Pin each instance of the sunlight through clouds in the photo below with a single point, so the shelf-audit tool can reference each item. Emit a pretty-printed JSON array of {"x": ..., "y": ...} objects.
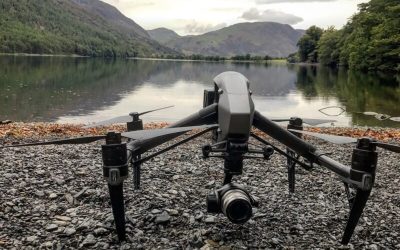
[{"x": 195, "y": 17}]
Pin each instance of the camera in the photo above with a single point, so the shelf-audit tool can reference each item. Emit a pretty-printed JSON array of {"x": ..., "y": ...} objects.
[{"x": 233, "y": 201}]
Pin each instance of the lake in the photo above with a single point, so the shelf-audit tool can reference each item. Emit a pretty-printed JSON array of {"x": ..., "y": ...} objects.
[{"x": 83, "y": 90}]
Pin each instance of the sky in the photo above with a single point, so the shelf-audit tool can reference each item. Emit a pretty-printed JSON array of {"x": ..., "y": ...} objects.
[{"x": 200, "y": 16}]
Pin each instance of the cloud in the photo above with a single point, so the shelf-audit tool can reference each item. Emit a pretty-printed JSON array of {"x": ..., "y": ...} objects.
[
  {"x": 198, "y": 28},
  {"x": 270, "y": 16},
  {"x": 291, "y": 1}
]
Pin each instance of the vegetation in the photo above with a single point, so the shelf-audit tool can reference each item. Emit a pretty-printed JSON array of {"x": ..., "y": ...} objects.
[
  {"x": 369, "y": 41},
  {"x": 198, "y": 57},
  {"x": 66, "y": 27}
]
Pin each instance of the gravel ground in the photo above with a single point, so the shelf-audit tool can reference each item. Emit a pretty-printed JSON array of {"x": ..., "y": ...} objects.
[{"x": 54, "y": 197}]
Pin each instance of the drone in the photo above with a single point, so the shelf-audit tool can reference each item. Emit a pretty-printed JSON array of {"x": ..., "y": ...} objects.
[{"x": 229, "y": 114}]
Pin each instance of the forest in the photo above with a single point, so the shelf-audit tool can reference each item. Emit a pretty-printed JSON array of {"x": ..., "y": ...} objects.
[{"x": 370, "y": 41}]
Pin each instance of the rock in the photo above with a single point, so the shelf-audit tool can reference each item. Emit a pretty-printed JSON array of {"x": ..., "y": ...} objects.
[
  {"x": 156, "y": 211},
  {"x": 51, "y": 227},
  {"x": 88, "y": 241},
  {"x": 53, "y": 196},
  {"x": 31, "y": 238},
  {"x": 275, "y": 241},
  {"x": 100, "y": 231},
  {"x": 69, "y": 231},
  {"x": 210, "y": 219},
  {"x": 210, "y": 184},
  {"x": 63, "y": 218},
  {"x": 173, "y": 212},
  {"x": 163, "y": 218},
  {"x": 39, "y": 193},
  {"x": 70, "y": 199}
]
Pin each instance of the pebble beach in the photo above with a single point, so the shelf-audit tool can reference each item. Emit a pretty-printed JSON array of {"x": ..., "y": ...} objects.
[{"x": 54, "y": 197}]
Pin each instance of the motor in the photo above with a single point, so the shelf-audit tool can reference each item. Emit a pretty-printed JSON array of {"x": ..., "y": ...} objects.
[{"x": 233, "y": 201}]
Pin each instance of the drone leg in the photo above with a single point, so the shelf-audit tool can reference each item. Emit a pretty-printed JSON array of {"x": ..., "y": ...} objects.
[
  {"x": 115, "y": 171},
  {"x": 117, "y": 204},
  {"x": 291, "y": 165},
  {"x": 356, "y": 210},
  {"x": 136, "y": 173}
]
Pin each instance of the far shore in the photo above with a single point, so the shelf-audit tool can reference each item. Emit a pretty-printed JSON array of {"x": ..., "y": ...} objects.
[
  {"x": 40, "y": 55},
  {"x": 148, "y": 58}
]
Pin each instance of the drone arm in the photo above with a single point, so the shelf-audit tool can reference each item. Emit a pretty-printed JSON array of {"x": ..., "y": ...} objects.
[
  {"x": 207, "y": 115},
  {"x": 301, "y": 147},
  {"x": 288, "y": 139}
]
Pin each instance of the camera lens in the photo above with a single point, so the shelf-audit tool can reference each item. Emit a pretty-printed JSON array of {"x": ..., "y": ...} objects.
[{"x": 236, "y": 206}]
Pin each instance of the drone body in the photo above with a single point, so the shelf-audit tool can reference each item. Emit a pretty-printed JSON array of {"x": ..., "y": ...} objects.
[{"x": 229, "y": 113}]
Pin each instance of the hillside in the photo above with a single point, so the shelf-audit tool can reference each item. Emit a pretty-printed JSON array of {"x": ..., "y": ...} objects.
[
  {"x": 163, "y": 35},
  {"x": 260, "y": 38},
  {"x": 83, "y": 27}
]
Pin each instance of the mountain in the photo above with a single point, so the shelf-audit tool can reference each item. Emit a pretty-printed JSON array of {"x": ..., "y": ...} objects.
[
  {"x": 83, "y": 27},
  {"x": 163, "y": 35},
  {"x": 259, "y": 38}
]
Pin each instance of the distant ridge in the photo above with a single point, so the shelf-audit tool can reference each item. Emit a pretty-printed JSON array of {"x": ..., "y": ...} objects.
[
  {"x": 83, "y": 27},
  {"x": 259, "y": 38},
  {"x": 163, "y": 35}
]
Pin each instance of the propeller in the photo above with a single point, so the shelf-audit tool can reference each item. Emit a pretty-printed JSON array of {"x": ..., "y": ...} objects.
[
  {"x": 381, "y": 117},
  {"x": 123, "y": 119},
  {"x": 309, "y": 121},
  {"x": 345, "y": 139},
  {"x": 134, "y": 135}
]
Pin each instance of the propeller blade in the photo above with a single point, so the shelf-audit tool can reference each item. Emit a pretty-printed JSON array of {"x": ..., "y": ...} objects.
[
  {"x": 122, "y": 119},
  {"x": 369, "y": 113},
  {"x": 387, "y": 146},
  {"x": 119, "y": 119},
  {"x": 77, "y": 140},
  {"x": 309, "y": 121},
  {"x": 395, "y": 119},
  {"x": 314, "y": 122},
  {"x": 148, "y": 139},
  {"x": 330, "y": 138},
  {"x": 153, "y": 133},
  {"x": 149, "y": 111}
]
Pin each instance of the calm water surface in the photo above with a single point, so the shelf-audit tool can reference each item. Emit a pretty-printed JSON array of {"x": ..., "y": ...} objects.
[{"x": 83, "y": 90}]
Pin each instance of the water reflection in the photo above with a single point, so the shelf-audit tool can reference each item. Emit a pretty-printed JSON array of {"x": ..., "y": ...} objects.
[{"x": 83, "y": 89}]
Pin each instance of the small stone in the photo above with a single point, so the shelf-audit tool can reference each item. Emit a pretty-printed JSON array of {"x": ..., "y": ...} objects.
[
  {"x": 39, "y": 193},
  {"x": 53, "y": 196},
  {"x": 59, "y": 181},
  {"x": 210, "y": 184},
  {"x": 63, "y": 218},
  {"x": 31, "y": 238},
  {"x": 61, "y": 223},
  {"x": 173, "y": 212},
  {"x": 69, "y": 198},
  {"x": 162, "y": 218},
  {"x": 275, "y": 241},
  {"x": 69, "y": 231},
  {"x": 199, "y": 216},
  {"x": 210, "y": 219},
  {"x": 51, "y": 227},
  {"x": 100, "y": 231},
  {"x": 88, "y": 241},
  {"x": 156, "y": 211}
]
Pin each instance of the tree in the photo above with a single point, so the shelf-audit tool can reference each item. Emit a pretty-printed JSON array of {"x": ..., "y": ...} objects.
[
  {"x": 308, "y": 44},
  {"x": 328, "y": 47}
]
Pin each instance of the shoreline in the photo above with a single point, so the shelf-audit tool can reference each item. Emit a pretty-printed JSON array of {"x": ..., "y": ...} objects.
[{"x": 22, "y": 130}]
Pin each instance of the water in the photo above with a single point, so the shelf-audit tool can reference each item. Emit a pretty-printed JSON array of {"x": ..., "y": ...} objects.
[{"x": 82, "y": 90}]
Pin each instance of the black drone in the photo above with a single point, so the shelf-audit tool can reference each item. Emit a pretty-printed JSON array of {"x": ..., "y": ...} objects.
[{"x": 229, "y": 114}]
